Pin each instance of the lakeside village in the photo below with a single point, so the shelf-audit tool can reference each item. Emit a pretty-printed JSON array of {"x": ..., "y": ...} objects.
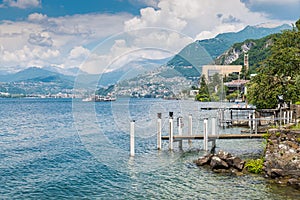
[{"x": 153, "y": 87}]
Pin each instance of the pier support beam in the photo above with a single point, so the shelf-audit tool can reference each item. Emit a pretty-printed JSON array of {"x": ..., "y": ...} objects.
[
  {"x": 205, "y": 134},
  {"x": 132, "y": 138},
  {"x": 171, "y": 131},
  {"x": 180, "y": 125},
  {"x": 284, "y": 117},
  {"x": 214, "y": 132},
  {"x": 250, "y": 122},
  {"x": 159, "y": 131},
  {"x": 190, "y": 129}
]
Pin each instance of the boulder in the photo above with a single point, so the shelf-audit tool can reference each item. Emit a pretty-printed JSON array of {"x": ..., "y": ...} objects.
[
  {"x": 275, "y": 173},
  {"x": 236, "y": 162},
  {"x": 218, "y": 163},
  {"x": 203, "y": 160},
  {"x": 224, "y": 155}
]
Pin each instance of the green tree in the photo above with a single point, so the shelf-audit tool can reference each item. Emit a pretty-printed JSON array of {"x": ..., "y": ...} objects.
[
  {"x": 279, "y": 73},
  {"x": 203, "y": 91}
]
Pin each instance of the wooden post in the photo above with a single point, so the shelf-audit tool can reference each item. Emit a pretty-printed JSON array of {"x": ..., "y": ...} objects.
[
  {"x": 250, "y": 122},
  {"x": 214, "y": 133},
  {"x": 179, "y": 121},
  {"x": 159, "y": 131},
  {"x": 254, "y": 122},
  {"x": 171, "y": 131},
  {"x": 280, "y": 117},
  {"x": 287, "y": 117},
  {"x": 291, "y": 116},
  {"x": 223, "y": 117},
  {"x": 190, "y": 128},
  {"x": 284, "y": 117},
  {"x": 205, "y": 134},
  {"x": 132, "y": 138}
]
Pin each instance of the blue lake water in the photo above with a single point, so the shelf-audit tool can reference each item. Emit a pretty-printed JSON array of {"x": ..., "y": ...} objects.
[{"x": 64, "y": 148}]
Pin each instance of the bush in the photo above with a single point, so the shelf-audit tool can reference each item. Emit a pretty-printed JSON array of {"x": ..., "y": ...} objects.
[{"x": 254, "y": 166}]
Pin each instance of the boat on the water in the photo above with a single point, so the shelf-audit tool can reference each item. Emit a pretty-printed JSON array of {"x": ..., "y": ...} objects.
[{"x": 98, "y": 98}]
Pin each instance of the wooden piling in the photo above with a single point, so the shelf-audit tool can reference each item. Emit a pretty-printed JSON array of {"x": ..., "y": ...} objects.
[
  {"x": 205, "y": 134},
  {"x": 250, "y": 122},
  {"x": 284, "y": 117},
  {"x": 171, "y": 131},
  {"x": 132, "y": 151},
  {"x": 179, "y": 121},
  {"x": 159, "y": 131},
  {"x": 214, "y": 132},
  {"x": 190, "y": 129}
]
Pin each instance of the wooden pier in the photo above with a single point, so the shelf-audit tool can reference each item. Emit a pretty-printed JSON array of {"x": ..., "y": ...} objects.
[
  {"x": 225, "y": 117},
  {"x": 222, "y": 136}
]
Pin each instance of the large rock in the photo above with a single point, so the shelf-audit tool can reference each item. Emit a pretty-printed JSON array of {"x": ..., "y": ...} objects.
[
  {"x": 236, "y": 162},
  {"x": 203, "y": 160},
  {"x": 217, "y": 163}
]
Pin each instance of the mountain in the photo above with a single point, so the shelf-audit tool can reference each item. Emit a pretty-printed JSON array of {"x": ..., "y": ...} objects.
[
  {"x": 34, "y": 74},
  {"x": 68, "y": 71},
  {"x": 214, "y": 47},
  {"x": 128, "y": 71},
  {"x": 257, "y": 50}
]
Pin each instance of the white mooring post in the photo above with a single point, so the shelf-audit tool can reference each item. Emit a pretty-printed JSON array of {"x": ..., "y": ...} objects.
[
  {"x": 254, "y": 122},
  {"x": 214, "y": 131},
  {"x": 171, "y": 131},
  {"x": 190, "y": 128},
  {"x": 250, "y": 122},
  {"x": 159, "y": 131},
  {"x": 132, "y": 138},
  {"x": 179, "y": 124},
  {"x": 205, "y": 134}
]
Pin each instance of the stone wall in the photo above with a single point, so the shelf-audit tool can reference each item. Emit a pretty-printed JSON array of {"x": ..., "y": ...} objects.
[{"x": 282, "y": 157}]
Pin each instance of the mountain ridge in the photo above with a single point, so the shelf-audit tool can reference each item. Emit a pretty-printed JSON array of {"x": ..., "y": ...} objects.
[{"x": 216, "y": 46}]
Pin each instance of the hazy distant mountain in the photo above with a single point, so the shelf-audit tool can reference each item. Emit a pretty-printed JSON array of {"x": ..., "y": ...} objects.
[
  {"x": 34, "y": 74},
  {"x": 128, "y": 71},
  {"x": 68, "y": 71},
  {"x": 189, "y": 55}
]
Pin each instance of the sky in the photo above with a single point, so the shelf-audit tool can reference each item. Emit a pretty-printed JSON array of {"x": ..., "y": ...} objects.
[{"x": 102, "y": 35}]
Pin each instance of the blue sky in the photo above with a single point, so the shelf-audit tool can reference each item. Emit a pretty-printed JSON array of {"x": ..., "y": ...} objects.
[
  {"x": 55, "y": 8},
  {"x": 63, "y": 33}
]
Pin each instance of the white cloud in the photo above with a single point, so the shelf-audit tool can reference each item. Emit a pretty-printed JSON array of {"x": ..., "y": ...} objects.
[
  {"x": 37, "y": 17},
  {"x": 44, "y": 40},
  {"x": 192, "y": 17},
  {"x": 279, "y": 2},
  {"x": 79, "y": 52},
  {"x": 68, "y": 41},
  {"x": 22, "y": 4},
  {"x": 41, "y": 39}
]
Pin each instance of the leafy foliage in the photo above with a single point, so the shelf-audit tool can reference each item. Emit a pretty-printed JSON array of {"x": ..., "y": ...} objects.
[
  {"x": 254, "y": 165},
  {"x": 203, "y": 95},
  {"x": 279, "y": 73}
]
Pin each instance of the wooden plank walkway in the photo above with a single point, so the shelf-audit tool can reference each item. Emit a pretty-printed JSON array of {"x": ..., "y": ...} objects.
[{"x": 222, "y": 136}]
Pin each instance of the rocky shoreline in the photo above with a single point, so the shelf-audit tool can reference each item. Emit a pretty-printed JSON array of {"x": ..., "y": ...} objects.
[
  {"x": 282, "y": 157},
  {"x": 280, "y": 163}
]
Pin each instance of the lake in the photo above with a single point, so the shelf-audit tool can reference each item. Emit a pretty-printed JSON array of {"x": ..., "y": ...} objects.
[{"x": 66, "y": 148}]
